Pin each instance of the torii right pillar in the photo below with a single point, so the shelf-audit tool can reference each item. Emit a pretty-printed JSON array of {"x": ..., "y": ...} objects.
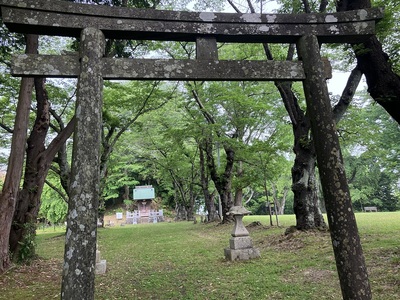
[{"x": 346, "y": 243}]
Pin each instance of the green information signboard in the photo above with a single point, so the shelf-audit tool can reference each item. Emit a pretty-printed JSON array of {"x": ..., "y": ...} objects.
[{"x": 143, "y": 192}]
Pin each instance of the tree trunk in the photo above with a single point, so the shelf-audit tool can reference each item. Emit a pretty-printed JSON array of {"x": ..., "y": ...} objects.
[
  {"x": 283, "y": 202},
  {"x": 212, "y": 208},
  {"x": 308, "y": 214},
  {"x": 208, "y": 197},
  {"x": 346, "y": 242},
  {"x": 280, "y": 204},
  {"x": 383, "y": 83},
  {"x": 36, "y": 168},
  {"x": 192, "y": 193},
  {"x": 225, "y": 193},
  {"x": 126, "y": 194},
  {"x": 182, "y": 206},
  {"x": 38, "y": 162},
  {"x": 225, "y": 185},
  {"x": 9, "y": 193},
  {"x": 190, "y": 207},
  {"x": 64, "y": 167},
  {"x": 303, "y": 171},
  {"x": 180, "y": 210},
  {"x": 222, "y": 182},
  {"x": 238, "y": 201}
]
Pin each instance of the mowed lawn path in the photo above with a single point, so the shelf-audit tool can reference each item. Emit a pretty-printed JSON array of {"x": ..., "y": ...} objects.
[{"x": 186, "y": 261}]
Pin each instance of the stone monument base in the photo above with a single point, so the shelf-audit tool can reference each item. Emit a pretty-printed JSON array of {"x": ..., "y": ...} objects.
[
  {"x": 101, "y": 264},
  {"x": 101, "y": 267},
  {"x": 241, "y": 254},
  {"x": 241, "y": 248}
]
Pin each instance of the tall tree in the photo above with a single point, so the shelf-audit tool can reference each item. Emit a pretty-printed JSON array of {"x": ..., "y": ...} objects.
[
  {"x": 304, "y": 187},
  {"x": 8, "y": 196},
  {"x": 37, "y": 165},
  {"x": 209, "y": 202},
  {"x": 306, "y": 205}
]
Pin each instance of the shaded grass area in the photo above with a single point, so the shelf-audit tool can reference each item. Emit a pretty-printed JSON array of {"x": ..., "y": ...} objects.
[{"x": 185, "y": 261}]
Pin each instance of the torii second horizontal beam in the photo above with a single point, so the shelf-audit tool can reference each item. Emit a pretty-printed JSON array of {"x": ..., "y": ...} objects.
[{"x": 65, "y": 66}]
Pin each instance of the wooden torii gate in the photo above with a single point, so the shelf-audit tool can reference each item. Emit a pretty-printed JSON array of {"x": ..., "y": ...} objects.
[{"x": 93, "y": 24}]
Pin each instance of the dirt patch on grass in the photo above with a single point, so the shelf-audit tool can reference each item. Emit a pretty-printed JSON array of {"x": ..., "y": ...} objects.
[
  {"x": 45, "y": 271},
  {"x": 256, "y": 225},
  {"x": 295, "y": 240},
  {"x": 312, "y": 275},
  {"x": 287, "y": 243},
  {"x": 58, "y": 237},
  {"x": 282, "y": 242},
  {"x": 321, "y": 279},
  {"x": 384, "y": 270},
  {"x": 39, "y": 280}
]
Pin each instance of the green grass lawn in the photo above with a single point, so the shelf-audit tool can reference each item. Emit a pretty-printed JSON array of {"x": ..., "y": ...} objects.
[{"x": 186, "y": 261}]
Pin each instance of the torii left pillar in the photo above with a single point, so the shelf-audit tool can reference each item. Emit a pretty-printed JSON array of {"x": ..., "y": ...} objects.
[{"x": 80, "y": 240}]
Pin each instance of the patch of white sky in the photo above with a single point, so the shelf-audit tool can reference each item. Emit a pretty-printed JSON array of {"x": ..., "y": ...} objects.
[{"x": 269, "y": 6}]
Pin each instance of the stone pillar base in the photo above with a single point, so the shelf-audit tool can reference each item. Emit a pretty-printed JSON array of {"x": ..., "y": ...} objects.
[
  {"x": 241, "y": 248},
  {"x": 101, "y": 264},
  {"x": 242, "y": 242},
  {"x": 101, "y": 267},
  {"x": 241, "y": 254}
]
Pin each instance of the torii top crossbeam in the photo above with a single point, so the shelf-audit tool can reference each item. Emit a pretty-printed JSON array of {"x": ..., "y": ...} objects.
[
  {"x": 45, "y": 17},
  {"x": 52, "y": 17}
]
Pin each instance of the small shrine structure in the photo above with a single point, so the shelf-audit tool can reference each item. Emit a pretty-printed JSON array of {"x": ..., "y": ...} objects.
[
  {"x": 145, "y": 212},
  {"x": 144, "y": 196}
]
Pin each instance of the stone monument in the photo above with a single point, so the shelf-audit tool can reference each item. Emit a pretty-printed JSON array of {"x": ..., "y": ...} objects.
[
  {"x": 241, "y": 245},
  {"x": 101, "y": 264}
]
